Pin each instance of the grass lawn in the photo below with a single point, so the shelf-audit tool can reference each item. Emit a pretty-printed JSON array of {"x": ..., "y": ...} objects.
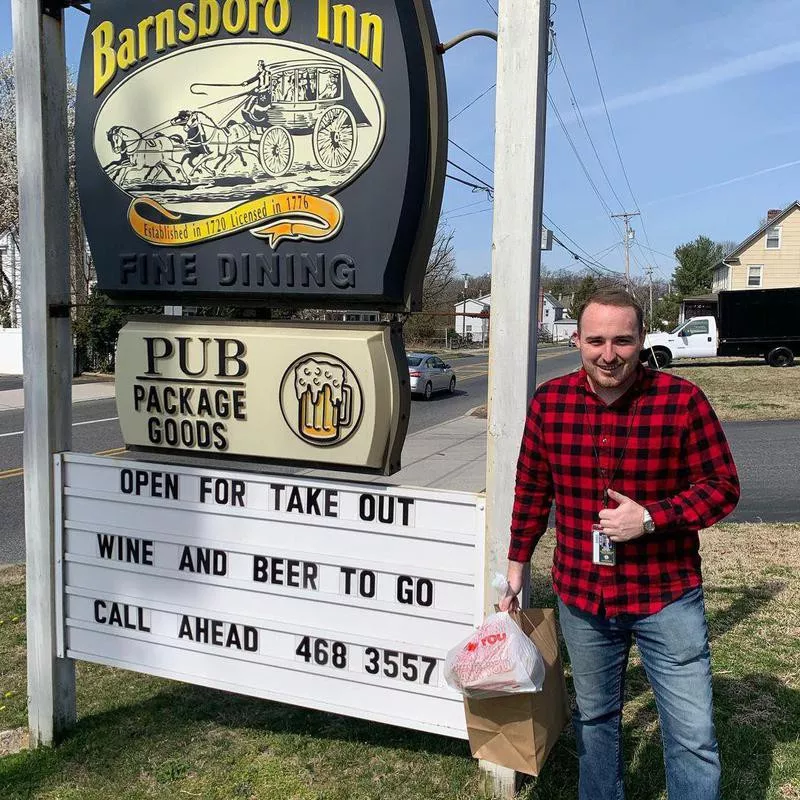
[
  {"x": 742, "y": 389},
  {"x": 141, "y": 737}
]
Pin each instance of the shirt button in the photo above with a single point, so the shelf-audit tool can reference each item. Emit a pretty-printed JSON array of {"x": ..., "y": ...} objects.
[{"x": 605, "y": 440}]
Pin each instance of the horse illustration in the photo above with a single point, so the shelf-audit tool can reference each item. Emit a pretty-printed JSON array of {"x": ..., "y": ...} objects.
[
  {"x": 154, "y": 153},
  {"x": 206, "y": 141}
]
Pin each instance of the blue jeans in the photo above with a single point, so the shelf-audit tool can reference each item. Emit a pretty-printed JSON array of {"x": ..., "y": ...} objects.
[{"x": 673, "y": 644}]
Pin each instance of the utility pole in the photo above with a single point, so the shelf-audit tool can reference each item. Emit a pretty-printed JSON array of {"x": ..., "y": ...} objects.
[
  {"x": 41, "y": 73},
  {"x": 629, "y": 233},
  {"x": 650, "y": 276},
  {"x": 522, "y": 53}
]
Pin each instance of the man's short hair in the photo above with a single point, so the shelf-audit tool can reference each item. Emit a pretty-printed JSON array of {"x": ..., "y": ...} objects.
[{"x": 618, "y": 298}]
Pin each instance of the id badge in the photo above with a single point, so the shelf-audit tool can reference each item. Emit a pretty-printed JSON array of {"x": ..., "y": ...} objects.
[{"x": 604, "y": 551}]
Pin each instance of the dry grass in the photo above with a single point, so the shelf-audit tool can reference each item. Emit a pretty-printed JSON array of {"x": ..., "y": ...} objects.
[{"x": 745, "y": 390}]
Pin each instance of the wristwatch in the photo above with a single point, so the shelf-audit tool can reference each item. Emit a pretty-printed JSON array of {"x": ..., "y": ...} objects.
[{"x": 647, "y": 523}]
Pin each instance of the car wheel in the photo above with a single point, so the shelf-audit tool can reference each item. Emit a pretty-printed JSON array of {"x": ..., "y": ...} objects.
[
  {"x": 660, "y": 358},
  {"x": 452, "y": 387},
  {"x": 780, "y": 357},
  {"x": 428, "y": 390}
]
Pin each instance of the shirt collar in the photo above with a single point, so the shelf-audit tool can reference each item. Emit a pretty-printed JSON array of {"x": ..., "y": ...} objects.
[{"x": 639, "y": 386}]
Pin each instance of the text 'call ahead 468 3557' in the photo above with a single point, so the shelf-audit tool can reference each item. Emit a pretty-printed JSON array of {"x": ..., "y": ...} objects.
[
  {"x": 338, "y": 596},
  {"x": 277, "y": 151}
]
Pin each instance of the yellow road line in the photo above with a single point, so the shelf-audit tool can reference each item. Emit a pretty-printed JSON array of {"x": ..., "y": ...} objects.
[{"x": 18, "y": 471}]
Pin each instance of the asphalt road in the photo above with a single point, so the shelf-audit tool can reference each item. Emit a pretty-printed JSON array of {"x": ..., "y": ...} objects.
[{"x": 766, "y": 453}]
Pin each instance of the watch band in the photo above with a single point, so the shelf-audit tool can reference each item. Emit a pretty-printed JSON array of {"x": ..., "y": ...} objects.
[{"x": 647, "y": 522}]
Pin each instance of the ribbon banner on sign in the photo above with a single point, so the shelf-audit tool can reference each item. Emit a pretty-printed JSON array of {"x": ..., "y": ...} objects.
[{"x": 274, "y": 217}]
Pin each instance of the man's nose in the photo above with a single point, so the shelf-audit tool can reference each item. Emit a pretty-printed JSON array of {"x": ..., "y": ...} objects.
[{"x": 608, "y": 352}]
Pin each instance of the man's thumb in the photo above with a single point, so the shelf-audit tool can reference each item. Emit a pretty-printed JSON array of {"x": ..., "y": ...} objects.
[{"x": 617, "y": 497}]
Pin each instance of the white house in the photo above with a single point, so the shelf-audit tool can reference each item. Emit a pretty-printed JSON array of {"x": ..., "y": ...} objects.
[
  {"x": 551, "y": 311},
  {"x": 476, "y": 329},
  {"x": 10, "y": 269}
]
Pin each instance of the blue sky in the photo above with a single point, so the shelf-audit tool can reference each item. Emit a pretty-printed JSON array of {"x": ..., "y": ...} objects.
[{"x": 701, "y": 96}]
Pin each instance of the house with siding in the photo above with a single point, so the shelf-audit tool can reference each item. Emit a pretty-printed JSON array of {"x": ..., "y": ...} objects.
[
  {"x": 470, "y": 326},
  {"x": 767, "y": 259},
  {"x": 11, "y": 277}
]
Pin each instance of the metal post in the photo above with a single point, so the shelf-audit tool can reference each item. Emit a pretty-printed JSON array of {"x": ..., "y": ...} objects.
[
  {"x": 47, "y": 345},
  {"x": 523, "y": 36}
]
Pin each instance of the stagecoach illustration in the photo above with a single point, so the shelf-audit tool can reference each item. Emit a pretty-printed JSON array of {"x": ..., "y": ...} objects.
[{"x": 292, "y": 99}]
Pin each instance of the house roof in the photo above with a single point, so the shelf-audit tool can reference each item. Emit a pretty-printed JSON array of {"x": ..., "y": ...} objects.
[
  {"x": 553, "y": 302},
  {"x": 760, "y": 232}
]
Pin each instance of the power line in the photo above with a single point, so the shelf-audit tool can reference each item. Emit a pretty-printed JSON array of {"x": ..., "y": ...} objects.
[
  {"x": 598, "y": 269},
  {"x": 461, "y": 208},
  {"x": 583, "y": 123},
  {"x": 472, "y": 213},
  {"x": 472, "y": 102},
  {"x": 492, "y": 7},
  {"x": 608, "y": 117},
  {"x": 600, "y": 197},
  {"x": 467, "y": 153},
  {"x": 471, "y": 175},
  {"x": 490, "y": 191}
]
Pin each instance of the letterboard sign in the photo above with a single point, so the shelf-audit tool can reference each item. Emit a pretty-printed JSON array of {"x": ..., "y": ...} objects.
[
  {"x": 283, "y": 391},
  {"x": 343, "y": 597},
  {"x": 281, "y": 151}
]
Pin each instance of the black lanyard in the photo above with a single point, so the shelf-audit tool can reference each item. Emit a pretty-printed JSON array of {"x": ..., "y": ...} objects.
[{"x": 596, "y": 452}]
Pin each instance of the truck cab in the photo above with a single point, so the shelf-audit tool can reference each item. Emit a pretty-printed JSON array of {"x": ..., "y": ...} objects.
[{"x": 695, "y": 338}]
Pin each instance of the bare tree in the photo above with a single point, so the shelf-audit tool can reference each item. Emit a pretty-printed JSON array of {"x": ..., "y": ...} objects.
[
  {"x": 437, "y": 290},
  {"x": 79, "y": 262},
  {"x": 9, "y": 194}
]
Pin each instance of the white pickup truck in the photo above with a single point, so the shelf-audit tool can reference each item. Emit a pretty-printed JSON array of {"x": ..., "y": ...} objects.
[
  {"x": 753, "y": 322},
  {"x": 695, "y": 338}
]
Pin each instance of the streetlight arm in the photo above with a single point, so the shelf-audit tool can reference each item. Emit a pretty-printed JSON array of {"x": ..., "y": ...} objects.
[{"x": 443, "y": 47}]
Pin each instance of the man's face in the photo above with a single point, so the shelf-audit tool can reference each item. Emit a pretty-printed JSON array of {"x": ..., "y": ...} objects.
[{"x": 609, "y": 341}]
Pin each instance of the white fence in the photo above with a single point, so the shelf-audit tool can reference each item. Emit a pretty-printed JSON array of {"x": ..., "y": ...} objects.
[{"x": 10, "y": 351}]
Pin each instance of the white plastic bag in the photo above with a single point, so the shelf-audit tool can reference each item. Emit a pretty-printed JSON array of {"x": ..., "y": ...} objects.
[{"x": 497, "y": 659}]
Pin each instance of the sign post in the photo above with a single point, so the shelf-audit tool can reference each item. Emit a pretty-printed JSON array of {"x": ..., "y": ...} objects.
[
  {"x": 516, "y": 244},
  {"x": 47, "y": 348}
]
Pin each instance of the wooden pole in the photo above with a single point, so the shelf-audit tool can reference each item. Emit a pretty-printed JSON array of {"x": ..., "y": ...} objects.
[
  {"x": 523, "y": 38},
  {"x": 40, "y": 64}
]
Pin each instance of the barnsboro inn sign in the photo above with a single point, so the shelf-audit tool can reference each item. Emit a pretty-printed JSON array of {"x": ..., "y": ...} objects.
[{"x": 288, "y": 152}]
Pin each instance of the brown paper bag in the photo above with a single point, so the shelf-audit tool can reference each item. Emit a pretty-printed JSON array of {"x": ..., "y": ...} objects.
[{"x": 519, "y": 730}]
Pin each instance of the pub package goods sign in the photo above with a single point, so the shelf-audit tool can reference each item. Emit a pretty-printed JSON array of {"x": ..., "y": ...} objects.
[{"x": 286, "y": 151}]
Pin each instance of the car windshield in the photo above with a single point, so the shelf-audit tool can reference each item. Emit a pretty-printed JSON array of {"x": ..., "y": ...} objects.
[
  {"x": 414, "y": 361},
  {"x": 675, "y": 330}
]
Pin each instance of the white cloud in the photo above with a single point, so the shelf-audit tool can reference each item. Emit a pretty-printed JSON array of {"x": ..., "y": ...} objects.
[
  {"x": 728, "y": 182},
  {"x": 752, "y": 64}
]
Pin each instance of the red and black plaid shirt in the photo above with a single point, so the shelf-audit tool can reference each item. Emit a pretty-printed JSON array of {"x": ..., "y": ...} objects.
[{"x": 660, "y": 444}]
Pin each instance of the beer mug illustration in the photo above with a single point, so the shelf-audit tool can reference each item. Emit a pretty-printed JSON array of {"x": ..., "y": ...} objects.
[{"x": 325, "y": 400}]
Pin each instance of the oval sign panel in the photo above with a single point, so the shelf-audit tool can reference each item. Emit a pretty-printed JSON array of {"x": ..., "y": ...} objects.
[{"x": 289, "y": 152}]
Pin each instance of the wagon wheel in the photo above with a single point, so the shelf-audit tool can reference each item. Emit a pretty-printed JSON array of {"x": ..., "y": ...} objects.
[
  {"x": 334, "y": 139},
  {"x": 276, "y": 151}
]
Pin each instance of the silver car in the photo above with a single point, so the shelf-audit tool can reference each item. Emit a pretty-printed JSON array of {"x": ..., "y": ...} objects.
[{"x": 429, "y": 374}]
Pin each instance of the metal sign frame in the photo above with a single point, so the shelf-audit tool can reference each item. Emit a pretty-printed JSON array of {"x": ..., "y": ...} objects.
[{"x": 168, "y": 597}]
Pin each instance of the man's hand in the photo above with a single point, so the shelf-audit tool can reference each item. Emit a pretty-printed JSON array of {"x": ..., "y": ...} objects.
[
  {"x": 509, "y": 601},
  {"x": 625, "y": 522}
]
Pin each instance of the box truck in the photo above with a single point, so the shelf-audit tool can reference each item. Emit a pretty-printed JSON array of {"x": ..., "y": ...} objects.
[{"x": 753, "y": 322}]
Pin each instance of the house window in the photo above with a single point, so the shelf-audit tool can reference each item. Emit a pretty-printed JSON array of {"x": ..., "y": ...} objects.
[
  {"x": 754, "y": 272},
  {"x": 774, "y": 238},
  {"x": 469, "y": 328}
]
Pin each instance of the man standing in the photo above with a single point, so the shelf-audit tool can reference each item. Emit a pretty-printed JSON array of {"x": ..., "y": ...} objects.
[{"x": 636, "y": 462}]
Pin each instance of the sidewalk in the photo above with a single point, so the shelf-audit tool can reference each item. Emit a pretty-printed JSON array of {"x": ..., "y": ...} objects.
[
  {"x": 451, "y": 455},
  {"x": 14, "y": 398}
]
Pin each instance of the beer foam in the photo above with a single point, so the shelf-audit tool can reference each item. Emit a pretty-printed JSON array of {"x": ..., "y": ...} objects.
[{"x": 312, "y": 375}]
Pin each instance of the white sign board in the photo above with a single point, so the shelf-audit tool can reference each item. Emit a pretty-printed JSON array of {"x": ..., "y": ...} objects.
[{"x": 333, "y": 596}]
